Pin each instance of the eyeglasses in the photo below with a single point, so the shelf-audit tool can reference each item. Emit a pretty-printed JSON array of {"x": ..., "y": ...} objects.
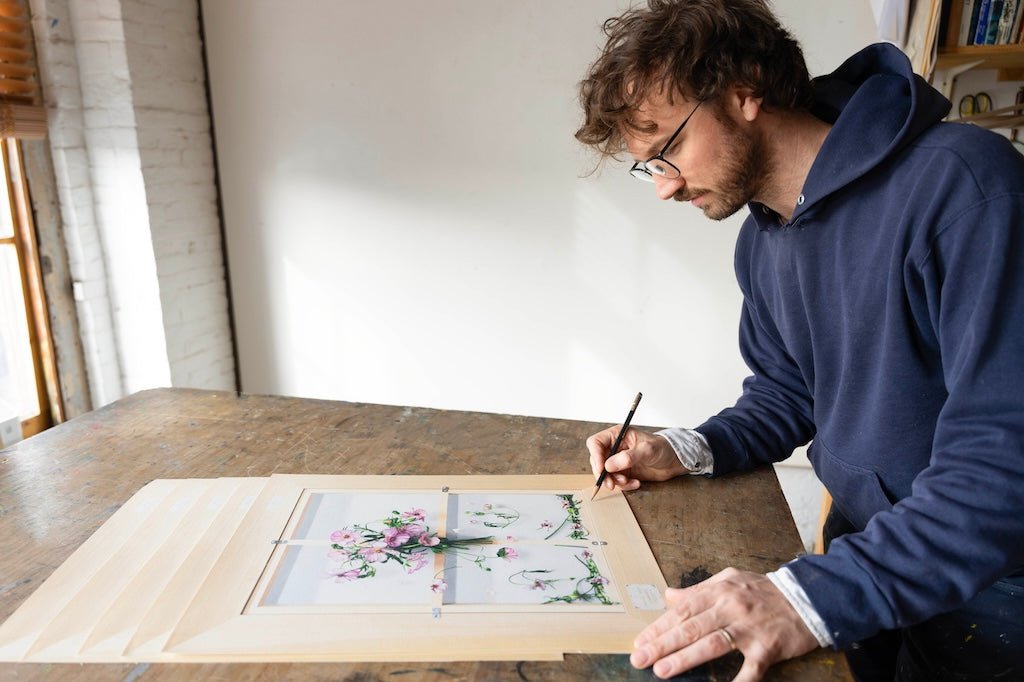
[{"x": 658, "y": 164}]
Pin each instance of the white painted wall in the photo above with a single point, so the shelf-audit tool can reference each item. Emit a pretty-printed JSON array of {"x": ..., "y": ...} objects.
[
  {"x": 64, "y": 91},
  {"x": 407, "y": 222},
  {"x": 130, "y": 139}
]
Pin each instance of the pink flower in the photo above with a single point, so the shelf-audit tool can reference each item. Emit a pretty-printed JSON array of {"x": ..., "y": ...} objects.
[
  {"x": 412, "y": 530},
  {"x": 375, "y": 553},
  {"x": 509, "y": 538},
  {"x": 417, "y": 514},
  {"x": 508, "y": 554},
  {"x": 339, "y": 555},
  {"x": 343, "y": 537},
  {"x": 438, "y": 586},
  {"x": 488, "y": 507},
  {"x": 415, "y": 563},
  {"x": 395, "y": 537},
  {"x": 586, "y": 554},
  {"x": 565, "y": 504},
  {"x": 346, "y": 576},
  {"x": 429, "y": 540},
  {"x": 598, "y": 580},
  {"x": 546, "y": 525},
  {"x": 539, "y": 585}
]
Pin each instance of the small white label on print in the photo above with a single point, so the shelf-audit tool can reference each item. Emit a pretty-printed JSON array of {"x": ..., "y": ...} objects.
[{"x": 645, "y": 597}]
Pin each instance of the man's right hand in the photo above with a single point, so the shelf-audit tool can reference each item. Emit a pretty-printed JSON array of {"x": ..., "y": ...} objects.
[{"x": 641, "y": 457}]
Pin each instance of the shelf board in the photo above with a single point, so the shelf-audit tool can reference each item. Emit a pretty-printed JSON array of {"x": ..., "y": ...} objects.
[{"x": 993, "y": 56}]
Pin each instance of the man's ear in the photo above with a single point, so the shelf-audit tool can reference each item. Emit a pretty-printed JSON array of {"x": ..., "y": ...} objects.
[{"x": 745, "y": 103}]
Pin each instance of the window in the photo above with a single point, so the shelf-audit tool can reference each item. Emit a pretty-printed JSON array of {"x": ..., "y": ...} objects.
[
  {"x": 28, "y": 386},
  {"x": 28, "y": 377}
]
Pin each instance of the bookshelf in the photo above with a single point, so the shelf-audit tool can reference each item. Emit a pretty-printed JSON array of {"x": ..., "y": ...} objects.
[{"x": 1007, "y": 59}]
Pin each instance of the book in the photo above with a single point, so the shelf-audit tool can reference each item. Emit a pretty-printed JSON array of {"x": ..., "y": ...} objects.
[
  {"x": 982, "y": 23},
  {"x": 1014, "y": 30},
  {"x": 972, "y": 29},
  {"x": 1006, "y": 21},
  {"x": 995, "y": 12},
  {"x": 968, "y": 13}
]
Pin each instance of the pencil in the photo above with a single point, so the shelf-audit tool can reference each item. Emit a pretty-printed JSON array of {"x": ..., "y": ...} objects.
[{"x": 618, "y": 442}]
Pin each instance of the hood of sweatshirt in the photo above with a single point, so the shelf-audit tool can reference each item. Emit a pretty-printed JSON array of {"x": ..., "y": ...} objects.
[{"x": 877, "y": 105}]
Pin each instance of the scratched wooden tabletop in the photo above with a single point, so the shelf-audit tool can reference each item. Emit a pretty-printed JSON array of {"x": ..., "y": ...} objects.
[{"x": 57, "y": 488}]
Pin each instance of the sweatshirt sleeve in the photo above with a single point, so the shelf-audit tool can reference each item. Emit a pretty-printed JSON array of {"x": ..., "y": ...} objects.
[{"x": 962, "y": 527}]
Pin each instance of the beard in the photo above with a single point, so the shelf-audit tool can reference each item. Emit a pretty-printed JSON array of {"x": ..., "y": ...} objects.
[{"x": 741, "y": 166}]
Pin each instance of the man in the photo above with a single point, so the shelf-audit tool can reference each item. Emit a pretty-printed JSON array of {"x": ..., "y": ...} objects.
[{"x": 882, "y": 270}]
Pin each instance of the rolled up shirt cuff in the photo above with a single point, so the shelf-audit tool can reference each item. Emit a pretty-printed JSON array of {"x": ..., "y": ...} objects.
[
  {"x": 691, "y": 448},
  {"x": 791, "y": 590}
]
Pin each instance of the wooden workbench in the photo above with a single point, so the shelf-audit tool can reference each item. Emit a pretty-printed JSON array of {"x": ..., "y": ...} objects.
[{"x": 58, "y": 487}]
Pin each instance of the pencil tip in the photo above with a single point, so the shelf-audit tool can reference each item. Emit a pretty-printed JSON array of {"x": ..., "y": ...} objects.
[{"x": 597, "y": 489}]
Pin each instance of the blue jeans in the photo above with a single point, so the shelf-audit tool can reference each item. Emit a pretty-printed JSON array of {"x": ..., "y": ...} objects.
[{"x": 981, "y": 640}]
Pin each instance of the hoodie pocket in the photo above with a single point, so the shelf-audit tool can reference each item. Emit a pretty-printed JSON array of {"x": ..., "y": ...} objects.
[{"x": 856, "y": 491}]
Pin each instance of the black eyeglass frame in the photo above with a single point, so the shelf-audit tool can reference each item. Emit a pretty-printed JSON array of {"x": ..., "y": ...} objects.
[{"x": 640, "y": 169}]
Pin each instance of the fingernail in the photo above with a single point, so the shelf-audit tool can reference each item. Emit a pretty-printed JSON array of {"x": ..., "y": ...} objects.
[{"x": 639, "y": 659}]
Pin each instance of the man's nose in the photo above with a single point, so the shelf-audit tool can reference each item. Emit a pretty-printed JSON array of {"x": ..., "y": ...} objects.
[{"x": 666, "y": 188}]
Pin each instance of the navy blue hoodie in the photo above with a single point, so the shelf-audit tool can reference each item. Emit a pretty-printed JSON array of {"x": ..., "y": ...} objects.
[{"x": 885, "y": 321}]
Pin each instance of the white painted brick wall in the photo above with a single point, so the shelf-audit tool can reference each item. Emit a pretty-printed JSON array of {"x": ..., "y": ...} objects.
[
  {"x": 130, "y": 134},
  {"x": 176, "y": 152},
  {"x": 58, "y": 67}
]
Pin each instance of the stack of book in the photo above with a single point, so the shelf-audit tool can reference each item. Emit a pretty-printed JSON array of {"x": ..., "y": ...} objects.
[{"x": 984, "y": 22}]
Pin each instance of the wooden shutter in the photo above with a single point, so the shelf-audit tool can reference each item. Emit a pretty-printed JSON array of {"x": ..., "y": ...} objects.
[{"x": 21, "y": 109}]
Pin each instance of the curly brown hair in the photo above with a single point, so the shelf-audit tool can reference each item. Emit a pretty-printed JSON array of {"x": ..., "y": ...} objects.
[{"x": 693, "y": 48}]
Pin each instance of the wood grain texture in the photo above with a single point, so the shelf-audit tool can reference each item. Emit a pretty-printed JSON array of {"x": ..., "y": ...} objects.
[{"x": 58, "y": 488}]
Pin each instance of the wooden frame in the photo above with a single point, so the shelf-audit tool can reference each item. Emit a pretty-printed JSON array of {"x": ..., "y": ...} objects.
[
  {"x": 199, "y": 564},
  {"x": 26, "y": 631},
  {"x": 219, "y": 621}
]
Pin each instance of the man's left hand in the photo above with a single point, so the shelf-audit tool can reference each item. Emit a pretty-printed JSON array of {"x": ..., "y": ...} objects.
[{"x": 754, "y": 615}]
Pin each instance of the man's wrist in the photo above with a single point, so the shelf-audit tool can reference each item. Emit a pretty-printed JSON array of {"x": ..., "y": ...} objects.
[
  {"x": 797, "y": 598},
  {"x": 691, "y": 448}
]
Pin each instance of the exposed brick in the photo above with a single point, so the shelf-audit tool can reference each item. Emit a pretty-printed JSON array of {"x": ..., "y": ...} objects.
[{"x": 124, "y": 86}]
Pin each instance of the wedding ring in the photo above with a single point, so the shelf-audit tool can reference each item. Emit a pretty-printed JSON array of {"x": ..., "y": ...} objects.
[{"x": 728, "y": 638}]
